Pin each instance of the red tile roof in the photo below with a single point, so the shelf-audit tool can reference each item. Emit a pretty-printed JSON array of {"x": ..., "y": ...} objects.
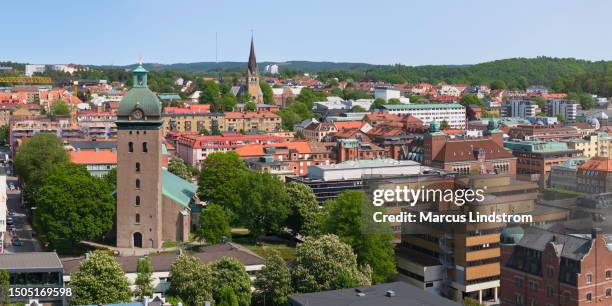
[
  {"x": 466, "y": 150},
  {"x": 87, "y": 157}
]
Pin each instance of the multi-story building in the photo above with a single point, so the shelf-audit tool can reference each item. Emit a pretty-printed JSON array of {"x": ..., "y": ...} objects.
[
  {"x": 598, "y": 144},
  {"x": 97, "y": 162},
  {"x": 31, "y": 69},
  {"x": 252, "y": 121},
  {"x": 454, "y": 114},
  {"x": 99, "y": 125},
  {"x": 563, "y": 175},
  {"x": 521, "y": 108},
  {"x": 467, "y": 155},
  {"x": 595, "y": 176},
  {"x": 353, "y": 149},
  {"x": 565, "y": 108},
  {"x": 538, "y": 157},
  {"x": 299, "y": 155},
  {"x": 544, "y": 132},
  {"x": 460, "y": 260},
  {"x": 386, "y": 93},
  {"x": 193, "y": 149},
  {"x": 541, "y": 267},
  {"x": 193, "y": 118}
]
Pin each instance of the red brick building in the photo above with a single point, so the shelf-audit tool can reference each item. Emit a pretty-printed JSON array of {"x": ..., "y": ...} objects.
[
  {"x": 468, "y": 155},
  {"x": 540, "y": 267}
]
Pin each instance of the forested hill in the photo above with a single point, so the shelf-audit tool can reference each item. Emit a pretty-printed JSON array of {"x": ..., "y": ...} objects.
[{"x": 515, "y": 72}]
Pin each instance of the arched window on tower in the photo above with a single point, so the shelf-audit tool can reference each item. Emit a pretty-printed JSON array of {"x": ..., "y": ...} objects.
[
  {"x": 137, "y": 218},
  {"x": 137, "y": 183},
  {"x": 145, "y": 148},
  {"x": 137, "y": 167},
  {"x": 137, "y": 201},
  {"x": 130, "y": 147}
]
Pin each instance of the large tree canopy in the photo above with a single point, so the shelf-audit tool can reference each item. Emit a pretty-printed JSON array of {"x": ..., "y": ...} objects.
[
  {"x": 99, "y": 280},
  {"x": 72, "y": 205},
  {"x": 37, "y": 156},
  {"x": 191, "y": 280},
  {"x": 230, "y": 273},
  {"x": 326, "y": 263}
]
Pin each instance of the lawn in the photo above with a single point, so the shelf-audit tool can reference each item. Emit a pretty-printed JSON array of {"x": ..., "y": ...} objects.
[{"x": 286, "y": 250}]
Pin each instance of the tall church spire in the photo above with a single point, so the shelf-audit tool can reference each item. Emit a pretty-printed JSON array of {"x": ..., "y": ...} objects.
[{"x": 252, "y": 60}]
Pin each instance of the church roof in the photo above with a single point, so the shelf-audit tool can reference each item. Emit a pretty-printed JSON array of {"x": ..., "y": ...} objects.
[
  {"x": 177, "y": 189},
  {"x": 252, "y": 60},
  {"x": 140, "y": 96}
]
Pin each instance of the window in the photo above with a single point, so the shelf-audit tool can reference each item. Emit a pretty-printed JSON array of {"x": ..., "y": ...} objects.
[
  {"x": 137, "y": 183},
  {"x": 144, "y": 147},
  {"x": 567, "y": 296},
  {"x": 608, "y": 274},
  {"x": 137, "y": 167},
  {"x": 550, "y": 292},
  {"x": 608, "y": 292},
  {"x": 130, "y": 147},
  {"x": 589, "y": 296},
  {"x": 589, "y": 278},
  {"x": 137, "y": 218},
  {"x": 137, "y": 200}
]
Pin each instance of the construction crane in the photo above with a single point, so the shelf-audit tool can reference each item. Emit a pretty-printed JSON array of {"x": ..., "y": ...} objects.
[{"x": 26, "y": 80}]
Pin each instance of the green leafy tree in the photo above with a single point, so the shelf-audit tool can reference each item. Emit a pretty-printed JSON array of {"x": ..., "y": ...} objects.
[
  {"x": 268, "y": 95},
  {"x": 444, "y": 125},
  {"x": 497, "y": 84},
  {"x": 262, "y": 203},
  {"x": 540, "y": 102},
  {"x": 228, "y": 102},
  {"x": 471, "y": 100},
  {"x": 350, "y": 217},
  {"x": 5, "y": 294},
  {"x": 468, "y": 301},
  {"x": 60, "y": 108},
  {"x": 228, "y": 297},
  {"x": 4, "y": 133},
  {"x": 178, "y": 167},
  {"x": 72, "y": 206},
  {"x": 213, "y": 224},
  {"x": 326, "y": 263},
  {"x": 358, "y": 109},
  {"x": 111, "y": 179},
  {"x": 393, "y": 101},
  {"x": 144, "y": 285},
  {"x": 273, "y": 281},
  {"x": 191, "y": 280},
  {"x": 305, "y": 216},
  {"x": 204, "y": 132},
  {"x": 299, "y": 135},
  {"x": 228, "y": 272},
  {"x": 210, "y": 94},
  {"x": 37, "y": 156},
  {"x": 99, "y": 280},
  {"x": 560, "y": 118},
  {"x": 378, "y": 103},
  {"x": 250, "y": 106},
  {"x": 218, "y": 181}
]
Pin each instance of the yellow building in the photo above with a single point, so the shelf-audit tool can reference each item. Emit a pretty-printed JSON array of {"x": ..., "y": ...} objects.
[{"x": 592, "y": 146}]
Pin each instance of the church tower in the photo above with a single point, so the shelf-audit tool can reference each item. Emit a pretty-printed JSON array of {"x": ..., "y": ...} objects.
[
  {"x": 253, "y": 89},
  {"x": 139, "y": 172}
]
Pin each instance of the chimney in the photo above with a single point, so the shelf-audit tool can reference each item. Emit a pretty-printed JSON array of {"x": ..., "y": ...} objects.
[{"x": 596, "y": 233}]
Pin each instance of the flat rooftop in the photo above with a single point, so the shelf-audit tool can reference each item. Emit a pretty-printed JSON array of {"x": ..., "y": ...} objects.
[
  {"x": 30, "y": 261},
  {"x": 405, "y": 294},
  {"x": 369, "y": 163}
]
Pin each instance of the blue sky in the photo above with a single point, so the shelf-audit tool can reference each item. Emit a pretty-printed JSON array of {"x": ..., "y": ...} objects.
[{"x": 380, "y": 32}]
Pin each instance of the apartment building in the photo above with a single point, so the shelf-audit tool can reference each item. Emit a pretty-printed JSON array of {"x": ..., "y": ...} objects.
[
  {"x": 541, "y": 267},
  {"x": 594, "y": 176},
  {"x": 521, "y": 108},
  {"x": 561, "y": 107},
  {"x": 252, "y": 121},
  {"x": 454, "y": 114}
]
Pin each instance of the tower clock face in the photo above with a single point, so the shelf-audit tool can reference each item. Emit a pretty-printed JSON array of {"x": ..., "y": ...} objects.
[{"x": 137, "y": 114}]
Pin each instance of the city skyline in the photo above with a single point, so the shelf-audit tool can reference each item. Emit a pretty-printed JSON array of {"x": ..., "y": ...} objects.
[{"x": 440, "y": 32}]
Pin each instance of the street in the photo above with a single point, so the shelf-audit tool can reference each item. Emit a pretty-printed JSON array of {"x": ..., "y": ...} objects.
[{"x": 23, "y": 228}]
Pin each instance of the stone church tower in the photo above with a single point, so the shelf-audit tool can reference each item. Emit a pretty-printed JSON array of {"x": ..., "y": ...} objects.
[
  {"x": 253, "y": 89},
  {"x": 139, "y": 172}
]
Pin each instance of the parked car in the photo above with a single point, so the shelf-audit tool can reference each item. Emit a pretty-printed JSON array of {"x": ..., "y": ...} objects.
[
  {"x": 9, "y": 221},
  {"x": 11, "y": 186},
  {"x": 11, "y": 213},
  {"x": 17, "y": 242}
]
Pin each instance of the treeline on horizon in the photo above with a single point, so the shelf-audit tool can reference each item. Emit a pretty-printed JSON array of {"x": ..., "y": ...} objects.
[{"x": 561, "y": 74}]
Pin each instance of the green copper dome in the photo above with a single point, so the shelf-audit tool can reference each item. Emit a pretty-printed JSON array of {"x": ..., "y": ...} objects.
[
  {"x": 139, "y": 97},
  {"x": 434, "y": 126}
]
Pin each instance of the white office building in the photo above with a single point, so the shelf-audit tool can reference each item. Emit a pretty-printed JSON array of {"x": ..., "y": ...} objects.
[
  {"x": 565, "y": 108},
  {"x": 30, "y": 69},
  {"x": 452, "y": 113},
  {"x": 521, "y": 109},
  {"x": 386, "y": 93}
]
